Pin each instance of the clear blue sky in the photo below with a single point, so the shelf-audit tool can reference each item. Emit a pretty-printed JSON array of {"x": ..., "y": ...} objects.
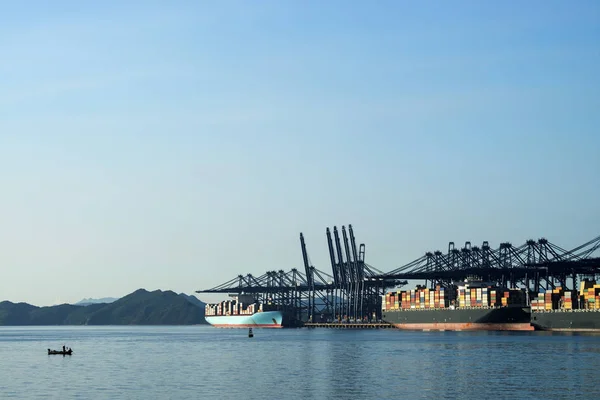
[{"x": 175, "y": 145}]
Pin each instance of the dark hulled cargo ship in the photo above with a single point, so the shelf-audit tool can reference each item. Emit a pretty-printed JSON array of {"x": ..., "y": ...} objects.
[
  {"x": 467, "y": 306},
  {"x": 509, "y": 318},
  {"x": 568, "y": 310},
  {"x": 569, "y": 321}
]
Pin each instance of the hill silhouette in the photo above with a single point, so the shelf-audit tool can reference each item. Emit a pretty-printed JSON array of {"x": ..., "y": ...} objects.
[
  {"x": 138, "y": 308},
  {"x": 87, "y": 302},
  {"x": 193, "y": 299}
]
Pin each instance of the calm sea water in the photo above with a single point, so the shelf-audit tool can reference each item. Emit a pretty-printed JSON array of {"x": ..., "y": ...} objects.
[{"x": 201, "y": 362}]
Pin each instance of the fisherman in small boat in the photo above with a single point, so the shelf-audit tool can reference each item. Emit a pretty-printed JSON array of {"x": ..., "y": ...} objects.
[{"x": 64, "y": 348}]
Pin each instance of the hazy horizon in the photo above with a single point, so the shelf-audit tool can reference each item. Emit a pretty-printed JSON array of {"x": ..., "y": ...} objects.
[{"x": 175, "y": 146}]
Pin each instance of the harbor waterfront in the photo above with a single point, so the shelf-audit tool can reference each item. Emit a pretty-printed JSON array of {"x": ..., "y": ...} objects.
[
  {"x": 472, "y": 288},
  {"x": 143, "y": 362},
  {"x": 469, "y": 306}
]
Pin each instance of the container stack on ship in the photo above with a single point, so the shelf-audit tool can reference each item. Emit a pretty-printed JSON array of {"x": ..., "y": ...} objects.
[
  {"x": 466, "y": 306},
  {"x": 568, "y": 310},
  {"x": 243, "y": 312}
]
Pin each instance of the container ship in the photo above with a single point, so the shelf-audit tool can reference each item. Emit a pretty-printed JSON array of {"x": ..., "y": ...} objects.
[
  {"x": 243, "y": 312},
  {"x": 568, "y": 310},
  {"x": 462, "y": 307}
]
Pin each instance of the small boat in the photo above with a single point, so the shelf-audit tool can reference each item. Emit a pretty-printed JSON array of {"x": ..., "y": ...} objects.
[{"x": 64, "y": 353}]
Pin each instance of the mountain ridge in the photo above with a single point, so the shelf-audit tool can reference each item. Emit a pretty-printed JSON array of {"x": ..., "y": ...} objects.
[{"x": 140, "y": 307}]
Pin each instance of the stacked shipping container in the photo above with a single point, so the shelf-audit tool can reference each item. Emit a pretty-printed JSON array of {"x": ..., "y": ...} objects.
[
  {"x": 419, "y": 298},
  {"x": 559, "y": 299},
  {"x": 590, "y": 293},
  {"x": 463, "y": 297},
  {"x": 232, "y": 307},
  {"x": 489, "y": 297}
]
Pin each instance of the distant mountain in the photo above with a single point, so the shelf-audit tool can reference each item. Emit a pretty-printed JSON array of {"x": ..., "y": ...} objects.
[
  {"x": 15, "y": 313},
  {"x": 193, "y": 299},
  {"x": 148, "y": 308},
  {"x": 87, "y": 302},
  {"x": 138, "y": 308}
]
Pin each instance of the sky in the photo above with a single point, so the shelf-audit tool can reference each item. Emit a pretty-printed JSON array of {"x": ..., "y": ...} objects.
[{"x": 176, "y": 145}]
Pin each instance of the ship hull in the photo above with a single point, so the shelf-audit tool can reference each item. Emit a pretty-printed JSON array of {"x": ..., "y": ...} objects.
[
  {"x": 566, "y": 321},
  {"x": 472, "y": 319},
  {"x": 266, "y": 319}
]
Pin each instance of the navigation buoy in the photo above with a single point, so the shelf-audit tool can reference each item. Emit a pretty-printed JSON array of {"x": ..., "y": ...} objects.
[{"x": 250, "y": 334}]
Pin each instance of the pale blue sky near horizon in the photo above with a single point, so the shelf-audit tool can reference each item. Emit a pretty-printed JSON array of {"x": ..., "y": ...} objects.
[{"x": 175, "y": 145}]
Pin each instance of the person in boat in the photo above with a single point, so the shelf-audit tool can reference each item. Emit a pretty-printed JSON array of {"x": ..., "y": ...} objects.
[{"x": 64, "y": 348}]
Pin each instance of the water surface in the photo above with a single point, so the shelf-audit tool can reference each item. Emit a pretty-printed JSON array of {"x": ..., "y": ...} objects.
[{"x": 202, "y": 362}]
